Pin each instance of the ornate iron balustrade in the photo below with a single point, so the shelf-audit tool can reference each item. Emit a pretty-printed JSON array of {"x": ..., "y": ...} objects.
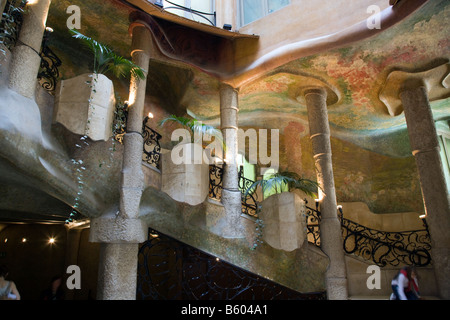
[
  {"x": 48, "y": 74},
  {"x": 382, "y": 247},
  {"x": 152, "y": 149},
  {"x": 194, "y": 12},
  {"x": 249, "y": 202},
  {"x": 312, "y": 224},
  {"x": 11, "y": 22},
  {"x": 171, "y": 270},
  {"x": 215, "y": 182},
  {"x": 387, "y": 248}
]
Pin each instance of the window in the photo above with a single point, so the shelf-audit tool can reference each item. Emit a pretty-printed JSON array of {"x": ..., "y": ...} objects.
[
  {"x": 197, "y": 10},
  {"x": 251, "y": 10}
]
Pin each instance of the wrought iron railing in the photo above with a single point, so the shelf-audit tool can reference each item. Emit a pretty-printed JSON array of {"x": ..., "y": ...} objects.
[
  {"x": 152, "y": 149},
  {"x": 249, "y": 202},
  {"x": 11, "y": 22},
  {"x": 171, "y": 270},
  {"x": 313, "y": 224},
  {"x": 387, "y": 248},
  {"x": 48, "y": 73},
  {"x": 201, "y": 14},
  {"x": 382, "y": 247},
  {"x": 215, "y": 182},
  {"x": 248, "y": 199}
]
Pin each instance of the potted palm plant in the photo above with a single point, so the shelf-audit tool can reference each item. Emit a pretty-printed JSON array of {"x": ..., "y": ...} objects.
[
  {"x": 283, "y": 210},
  {"x": 185, "y": 170},
  {"x": 85, "y": 104}
]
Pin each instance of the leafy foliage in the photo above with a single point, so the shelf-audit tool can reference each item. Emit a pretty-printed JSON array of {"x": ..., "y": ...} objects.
[
  {"x": 106, "y": 60},
  {"x": 282, "y": 180},
  {"x": 195, "y": 126}
]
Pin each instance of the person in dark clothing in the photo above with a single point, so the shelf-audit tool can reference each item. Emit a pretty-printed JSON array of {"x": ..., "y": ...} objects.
[{"x": 54, "y": 291}]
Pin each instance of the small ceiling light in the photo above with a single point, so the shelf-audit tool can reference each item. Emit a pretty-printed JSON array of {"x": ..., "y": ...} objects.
[
  {"x": 6, "y": 240},
  {"x": 24, "y": 240},
  {"x": 51, "y": 240}
]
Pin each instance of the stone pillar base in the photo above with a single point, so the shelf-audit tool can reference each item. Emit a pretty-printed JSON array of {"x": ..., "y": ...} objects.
[
  {"x": 336, "y": 288},
  {"x": 117, "y": 278}
]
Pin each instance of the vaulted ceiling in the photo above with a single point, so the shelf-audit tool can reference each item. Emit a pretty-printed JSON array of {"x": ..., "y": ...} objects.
[{"x": 357, "y": 70}]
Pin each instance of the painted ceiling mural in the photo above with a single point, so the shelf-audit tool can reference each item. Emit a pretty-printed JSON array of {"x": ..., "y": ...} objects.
[{"x": 371, "y": 153}]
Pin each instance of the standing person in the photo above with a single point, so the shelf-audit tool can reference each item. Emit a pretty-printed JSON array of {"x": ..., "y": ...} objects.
[
  {"x": 402, "y": 285},
  {"x": 8, "y": 290}
]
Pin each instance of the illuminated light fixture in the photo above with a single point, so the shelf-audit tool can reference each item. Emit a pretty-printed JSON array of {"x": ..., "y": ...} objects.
[
  {"x": 422, "y": 216},
  {"x": 150, "y": 115},
  {"x": 51, "y": 240},
  {"x": 24, "y": 240},
  {"x": 6, "y": 240}
]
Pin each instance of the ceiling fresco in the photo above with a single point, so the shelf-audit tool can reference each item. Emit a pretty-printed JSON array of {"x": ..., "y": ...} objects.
[
  {"x": 357, "y": 71},
  {"x": 371, "y": 152}
]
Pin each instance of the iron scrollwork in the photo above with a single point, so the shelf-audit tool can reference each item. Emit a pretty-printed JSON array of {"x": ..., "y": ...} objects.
[
  {"x": 11, "y": 22},
  {"x": 382, "y": 247},
  {"x": 215, "y": 182},
  {"x": 249, "y": 200},
  {"x": 312, "y": 224},
  {"x": 171, "y": 270},
  {"x": 49, "y": 73},
  {"x": 152, "y": 148},
  {"x": 387, "y": 248}
]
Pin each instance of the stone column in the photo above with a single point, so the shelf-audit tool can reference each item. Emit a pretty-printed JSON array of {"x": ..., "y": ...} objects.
[
  {"x": 330, "y": 227},
  {"x": 411, "y": 92},
  {"x": 121, "y": 232},
  {"x": 132, "y": 174},
  {"x": 231, "y": 195},
  {"x": 25, "y": 55},
  {"x": 425, "y": 148}
]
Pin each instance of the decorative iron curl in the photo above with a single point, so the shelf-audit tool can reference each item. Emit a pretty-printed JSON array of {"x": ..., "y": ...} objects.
[
  {"x": 387, "y": 248},
  {"x": 152, "y": 148}
]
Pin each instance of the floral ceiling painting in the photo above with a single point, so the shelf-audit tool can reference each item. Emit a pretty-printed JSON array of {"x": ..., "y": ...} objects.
[{"x": 371, "y": 151}]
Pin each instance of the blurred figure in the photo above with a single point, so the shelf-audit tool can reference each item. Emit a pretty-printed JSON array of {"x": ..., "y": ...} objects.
[
  {"x": 405, "y": 285},
  {"x": 8, "y": 290},
  {"x": 54, "y": 291}
]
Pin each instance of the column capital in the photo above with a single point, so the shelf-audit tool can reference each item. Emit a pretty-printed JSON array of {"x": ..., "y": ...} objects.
[
  {"x": 435, "y": 80},
  {"x": 315, "y": 90},
  {"x": 317, "y": 87},
  {"x": 226, "y": 86},
  {"x": 141, "y": 37}
]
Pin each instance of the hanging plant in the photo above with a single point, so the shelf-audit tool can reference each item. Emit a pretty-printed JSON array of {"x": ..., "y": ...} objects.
[
  {"x": 285, "y": 181},
  {"x": 105, "y": 61}
]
